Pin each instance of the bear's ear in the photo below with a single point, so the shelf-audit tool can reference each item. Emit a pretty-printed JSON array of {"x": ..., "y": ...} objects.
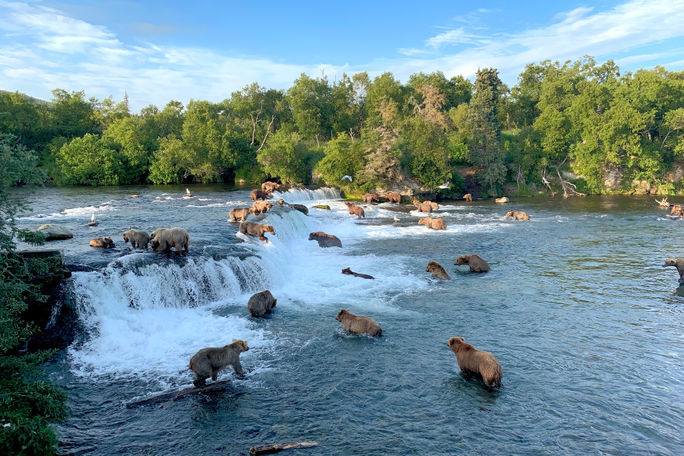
[{"x": 235, "y": 340}]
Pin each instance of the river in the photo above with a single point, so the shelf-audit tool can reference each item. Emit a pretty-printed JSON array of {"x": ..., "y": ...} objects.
[{"x": 577, "y": 307}]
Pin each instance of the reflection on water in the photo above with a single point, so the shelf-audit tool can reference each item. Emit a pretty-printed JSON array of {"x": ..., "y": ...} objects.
[{"x": 584, "y": 320}]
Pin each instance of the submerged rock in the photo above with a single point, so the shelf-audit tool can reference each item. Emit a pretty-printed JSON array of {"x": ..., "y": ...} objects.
[{"x": 322, "y": 206}]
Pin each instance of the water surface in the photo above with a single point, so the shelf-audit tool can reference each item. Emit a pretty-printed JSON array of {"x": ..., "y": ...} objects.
[{"x": 584, "y": 320}]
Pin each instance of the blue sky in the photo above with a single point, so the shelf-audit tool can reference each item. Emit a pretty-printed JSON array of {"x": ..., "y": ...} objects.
[{"x": 157, "y": 51}]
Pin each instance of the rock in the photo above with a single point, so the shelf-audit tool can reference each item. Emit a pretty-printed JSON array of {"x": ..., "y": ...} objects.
[
  {"x": 322, "y": 206},
  {"x": 503, "y": 199},
  {"x": 301, "y": 208},
  {"x": 54, "y": 232}
]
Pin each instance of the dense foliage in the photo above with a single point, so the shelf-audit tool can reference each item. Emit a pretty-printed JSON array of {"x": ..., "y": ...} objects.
[
  {"x": 28, "y": 403},
  {"x": 575, "y": 123}
]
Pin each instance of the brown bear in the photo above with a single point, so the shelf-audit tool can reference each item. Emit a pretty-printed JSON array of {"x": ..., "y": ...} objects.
[
  {"x": 355, "y": 210},
  {"x": 677, "y": 263},
  {"x": 348, "y": 271},
  {"x": 468, "y": 197},
  {"x": 437, "y": 270},
  {"x": 357, "y": 324},
  {"x": 371, "y": 198},
  {"x": 433, "y": 223},
  {"x": 269, "y": 187},
  {"x": 138, "y": 239},
  {"x": 261, "y": 303},
  {"x": 393, "y": 197},
  {"x": 517, "y": 215},
  {"x": 256, "y": 229},
  {"x": 163, "y": 239},
  {"x": 677, "y": 211},
  {"x": 261, "y": 207},
  {"x": 102, "y": 243},
  {"x": 240, "y": 213},
  {"x": 258, "y": 195},
  {"x": 209, "y": 361},
  {"x": 425, "y": 206},
  {"x": 324, "y": 239},
  {"x": 476, "y": 263},
  {"x": 474, "y": 362}
]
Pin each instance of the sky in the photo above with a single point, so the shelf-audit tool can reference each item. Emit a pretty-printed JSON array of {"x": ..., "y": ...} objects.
[{"x": 158, "y": 51}]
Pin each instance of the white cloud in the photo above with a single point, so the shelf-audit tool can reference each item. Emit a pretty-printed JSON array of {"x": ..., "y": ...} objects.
[{"x": 42, "y": 49}]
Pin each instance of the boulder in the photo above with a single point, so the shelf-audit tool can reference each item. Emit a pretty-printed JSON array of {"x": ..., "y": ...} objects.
[
  {"x": 322, "y": 206},
  {"x": 54, "y": 232}
]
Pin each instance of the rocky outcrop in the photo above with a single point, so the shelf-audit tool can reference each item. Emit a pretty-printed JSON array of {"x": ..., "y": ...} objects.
[{"x": 54, "y": 232}]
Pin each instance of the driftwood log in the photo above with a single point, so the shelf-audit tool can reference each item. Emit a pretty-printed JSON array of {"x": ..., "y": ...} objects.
[
  {"x": 276, "y": 447},
  {"x": 171, "y": 396}
]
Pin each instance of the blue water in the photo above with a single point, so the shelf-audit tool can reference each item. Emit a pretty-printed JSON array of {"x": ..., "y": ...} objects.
[{"x": 577, "y": 308}]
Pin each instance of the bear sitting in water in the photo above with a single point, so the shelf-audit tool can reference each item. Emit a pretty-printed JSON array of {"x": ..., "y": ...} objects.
[
  {"x": 433, "y": 223},
  {"x": 477, "y": 363},
  {"x": 209, "y": 361},
  {"x": 324, "y": 239},
  {"x": 256, "y": 229},
  {"x": 348, "y": 271},
  {"x": 355, "y": 210},
  {"x": 437, "y": 270},
  {"x": 517, "y": 215},
  {"x": 476, "y": 263},
  {"x": 261, "y": 303},
  {"x": 357, "y": 324},
  {"x": 102, "y": 243}
]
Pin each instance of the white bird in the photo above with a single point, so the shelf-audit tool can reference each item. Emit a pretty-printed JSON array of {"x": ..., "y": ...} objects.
[
  {"x": 445, "y": 185},
  {"x": 187, "y": 193},
  {"x": 92, "y": 217},
  {"x": 346, "y": 177},
  {"x": 92, "y": 220},
  {"x": 396, "y": 219}
]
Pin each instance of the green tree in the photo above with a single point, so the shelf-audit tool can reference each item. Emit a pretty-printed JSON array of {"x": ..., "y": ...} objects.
[
  {"x": 343, "y": 157},
  {"x": 485, "y": 132},
  {"x": 72, "y": 116},
  {"x": 89, "y": 161},
  {"x": 312, "y": 107},
  {"x": 28, "y": 403},
  {"x": 170, "y": 162},
  {"x": 283, "y": 157}
]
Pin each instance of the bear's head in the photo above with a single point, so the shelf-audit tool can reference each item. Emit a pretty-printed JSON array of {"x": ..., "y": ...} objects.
[
  {"x": 670, "y": 262},
  {"x": 346, "y": 271},
  {"x": 455, "y": 342},
  {"x": 509, "y": 214},
  {"x": 463, "y": 259},
  {"x": 433, "y": 266},
  {"x": 314, "y": 236},
  {"x": 126, "y": 236},
  {"x": 241, "y": 345},
  {"x": 341, "y": 314},
  {"x": 269, "y": 229},
  {"x": 108, "y": 242}
]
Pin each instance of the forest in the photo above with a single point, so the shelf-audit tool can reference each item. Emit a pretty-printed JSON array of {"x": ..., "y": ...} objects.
[{"x": 573, "y": 127}]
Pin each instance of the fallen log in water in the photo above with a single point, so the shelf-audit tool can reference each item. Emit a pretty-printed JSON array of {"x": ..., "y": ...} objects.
[
  {"x": 276, "y": 447},
  {"x": 215, "y": 387}
]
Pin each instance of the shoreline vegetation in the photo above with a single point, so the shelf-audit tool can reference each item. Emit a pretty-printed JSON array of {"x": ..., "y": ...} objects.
[{"x": 565, "y": 128}]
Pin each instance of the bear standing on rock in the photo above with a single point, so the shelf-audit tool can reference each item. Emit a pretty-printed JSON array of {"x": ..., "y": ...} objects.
[
  {"x": 261, "y": 303},
  {"x": 477, "y": 363},
  {"x": 393, "y": 197},
  {"x": 357, "y": 324},
  {"x": 240, "y": 214},
  {"x": 256, "y": 229},
  {"x": 138, "y": 239},
  {"x": 163, "y": 239},
  {"x": 476, "y": 263},
  {"x": 209, "y": 361}
]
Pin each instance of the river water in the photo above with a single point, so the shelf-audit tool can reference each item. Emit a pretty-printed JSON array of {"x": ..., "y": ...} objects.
[{"x": 577, "y": 308}]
